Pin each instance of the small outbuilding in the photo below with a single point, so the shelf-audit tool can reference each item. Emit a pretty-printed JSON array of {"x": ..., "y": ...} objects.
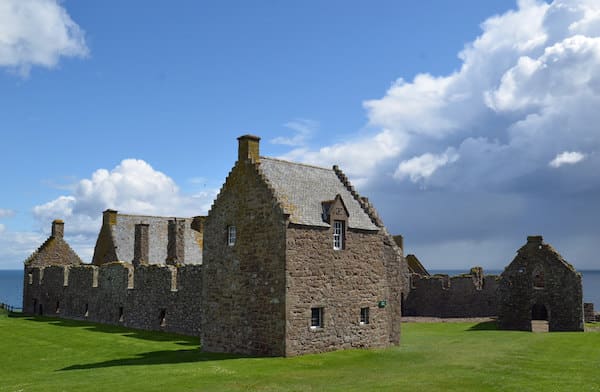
[{"x": 540, "y": 285}]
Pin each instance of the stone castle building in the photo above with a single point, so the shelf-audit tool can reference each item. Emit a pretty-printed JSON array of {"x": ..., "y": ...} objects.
[
  {"x": 290, "y": 260},
  {"x": 540, "y": 285},
  {"x": 537, "y": 285}
]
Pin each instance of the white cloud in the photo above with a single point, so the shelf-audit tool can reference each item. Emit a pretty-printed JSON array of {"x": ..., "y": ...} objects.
[
  {"x": 359, "y": 157},
  {"x": 303, "y": 129},
  {"x": 528, "y": 87},
  {"x": 15, "y": 247},
  {"x": 5, "y": 213},
  {"x": 132, "y": 187},
  {"x": 567, "y": 158},
  {"x": 423, "y": 166},
  {"x": 37, "y": 32},
  {"x": 2, "y": 228}
]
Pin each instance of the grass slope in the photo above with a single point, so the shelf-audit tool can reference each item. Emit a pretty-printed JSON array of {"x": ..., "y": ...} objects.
[{"x": 43, "y": 354}]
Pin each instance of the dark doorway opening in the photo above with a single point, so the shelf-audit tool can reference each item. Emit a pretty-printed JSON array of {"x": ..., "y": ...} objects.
[
  {"x": 539, "y": 318},
  {"x": 539, "y": 312}
]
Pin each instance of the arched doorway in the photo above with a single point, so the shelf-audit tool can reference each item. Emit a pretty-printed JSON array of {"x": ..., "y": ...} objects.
[{"x": 539, "y": 318}]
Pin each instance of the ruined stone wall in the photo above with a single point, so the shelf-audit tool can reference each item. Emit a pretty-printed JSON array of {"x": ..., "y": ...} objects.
[
  {"x": 540, "y": 281},
  {"x": 160, "y": 298},
  {"x": 341, "y": 282},
  {"x": 243, "y": 289},
  {"x": 457, "y": 296}
]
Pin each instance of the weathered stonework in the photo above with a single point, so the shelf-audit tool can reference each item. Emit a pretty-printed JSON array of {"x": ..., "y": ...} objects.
[
  {"x": 258, "y": 293},
  {"x": 468, "y": 295},
  {"x": 540, "y": 284},
  {"x": 243, "y": 289},
  {"x": 341, "y": 282},
  {"x": 118, "y": 294}
]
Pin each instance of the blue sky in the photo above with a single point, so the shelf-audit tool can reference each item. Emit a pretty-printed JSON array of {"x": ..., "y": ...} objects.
[{"x": 469, "y": 124}]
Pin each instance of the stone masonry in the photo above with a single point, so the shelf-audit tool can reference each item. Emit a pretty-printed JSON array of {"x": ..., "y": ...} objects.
[{"x": 540, "y": 284}]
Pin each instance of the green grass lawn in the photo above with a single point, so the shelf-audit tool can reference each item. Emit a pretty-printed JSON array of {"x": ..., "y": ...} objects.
[{"x": 43, "y": 354}]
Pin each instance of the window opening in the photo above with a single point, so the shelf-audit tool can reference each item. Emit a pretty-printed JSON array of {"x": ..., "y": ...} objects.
[
  {"x": 316, "y": 318},
  {"x": 57, "y": 306},
  {"x": 364, "y": 316},
  {"x": 86, "y": 313},
  {"x": 538, "y": 278},
  {"x": 120, "y": 314},
  {"x": 338, "y": 235},
  {"x": 163, "y": 317},
  {"x": 231, "y": 235}
]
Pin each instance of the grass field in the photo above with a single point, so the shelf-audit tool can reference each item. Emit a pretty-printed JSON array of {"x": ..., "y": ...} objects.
[{"x": 43, "y": 354}]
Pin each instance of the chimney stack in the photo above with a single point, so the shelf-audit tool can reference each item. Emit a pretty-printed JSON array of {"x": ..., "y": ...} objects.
[
  {"x": 58, "y": 228},
  {"x": 140, "y": 245},
  {"x": 176, "y": 242},
  {"x": 109, "y": 217},
  {"x": 248, "y": 148},
  {"x": 535, "y": 239}
]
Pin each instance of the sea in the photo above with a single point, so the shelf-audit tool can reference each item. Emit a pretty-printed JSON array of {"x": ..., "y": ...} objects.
[{"x": 11, "y": 285}]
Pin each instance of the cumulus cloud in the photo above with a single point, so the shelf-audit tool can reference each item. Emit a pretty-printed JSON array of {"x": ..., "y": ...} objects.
[
  {"x": 133, "y": 187},
  {"x": 527, "y": 87},
  {"x": 423, "y": 166},
  {"x": 303, "y": 129},
  {"x": 567, "y": 158},
  {"x": 37, "y": 33}
]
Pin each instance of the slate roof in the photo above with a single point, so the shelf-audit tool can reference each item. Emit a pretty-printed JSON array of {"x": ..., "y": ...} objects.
[
  {"x": 124, "y": 233},
  {"x": 302, "y": 188}
]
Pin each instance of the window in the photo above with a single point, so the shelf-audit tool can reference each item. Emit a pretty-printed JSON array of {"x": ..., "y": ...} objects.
[
  {"x": 338, "y": 235},
  {"x": 120, "y": 314},
  {"x": 57, "y": 306},
  {"x": 231, "y": 235},
  {"x": 538, "y": 278},
  {"x": 163, "y": 317},
  {"x": 364, "y": 316},
  {"x": 316, "y": 318}
]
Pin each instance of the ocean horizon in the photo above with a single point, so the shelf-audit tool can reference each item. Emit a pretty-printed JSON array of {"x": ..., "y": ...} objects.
[{"x": 11, "y": 285}]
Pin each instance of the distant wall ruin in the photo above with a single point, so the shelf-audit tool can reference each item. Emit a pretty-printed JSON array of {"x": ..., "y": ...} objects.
[
  {"x": 152, "y": 297},
  {"x": 467, "y": 295}
]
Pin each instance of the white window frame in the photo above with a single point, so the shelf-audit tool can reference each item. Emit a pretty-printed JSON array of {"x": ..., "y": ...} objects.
[
  {"x": 231, "y": 235},
  {"x": 364, "y": 316},
  {"x": 318, "y": 324},
  {"x": 338, "y": 235}
]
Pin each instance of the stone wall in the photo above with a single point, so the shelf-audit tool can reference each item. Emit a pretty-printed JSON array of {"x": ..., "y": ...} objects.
[
  {"x": 341, "y": 282},
  {"x": 540, "y": 284},
  {"x": 243, "y": 290},
  {"x": 468, "y": 295},
  {"x": 160, "y": 298},
  {"x": 588, "y": 312}
]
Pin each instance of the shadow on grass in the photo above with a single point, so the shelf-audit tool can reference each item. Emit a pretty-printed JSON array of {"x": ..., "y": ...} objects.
[
  {"x": 484, "y": 326},
  {"x": 158, "y": 358},
  {"x": 155, "y": 336}
]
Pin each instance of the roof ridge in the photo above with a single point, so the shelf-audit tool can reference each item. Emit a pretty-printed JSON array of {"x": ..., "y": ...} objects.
[
  {"x": 295, "y": 163},
  {"x": 155, "y": 216},
  {"x": 364, "y": 202}
]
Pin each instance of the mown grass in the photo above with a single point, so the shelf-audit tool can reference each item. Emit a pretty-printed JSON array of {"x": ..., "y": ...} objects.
[{"x": 43, "y": 354}]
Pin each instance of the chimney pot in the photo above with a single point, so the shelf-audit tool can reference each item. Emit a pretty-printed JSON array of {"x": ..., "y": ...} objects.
[
  {"x": 248, "y": 148},
  {"x": 58, "y": 228}
]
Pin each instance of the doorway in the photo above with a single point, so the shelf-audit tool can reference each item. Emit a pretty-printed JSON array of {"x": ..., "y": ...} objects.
[{"x": 539, "y": 318}]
